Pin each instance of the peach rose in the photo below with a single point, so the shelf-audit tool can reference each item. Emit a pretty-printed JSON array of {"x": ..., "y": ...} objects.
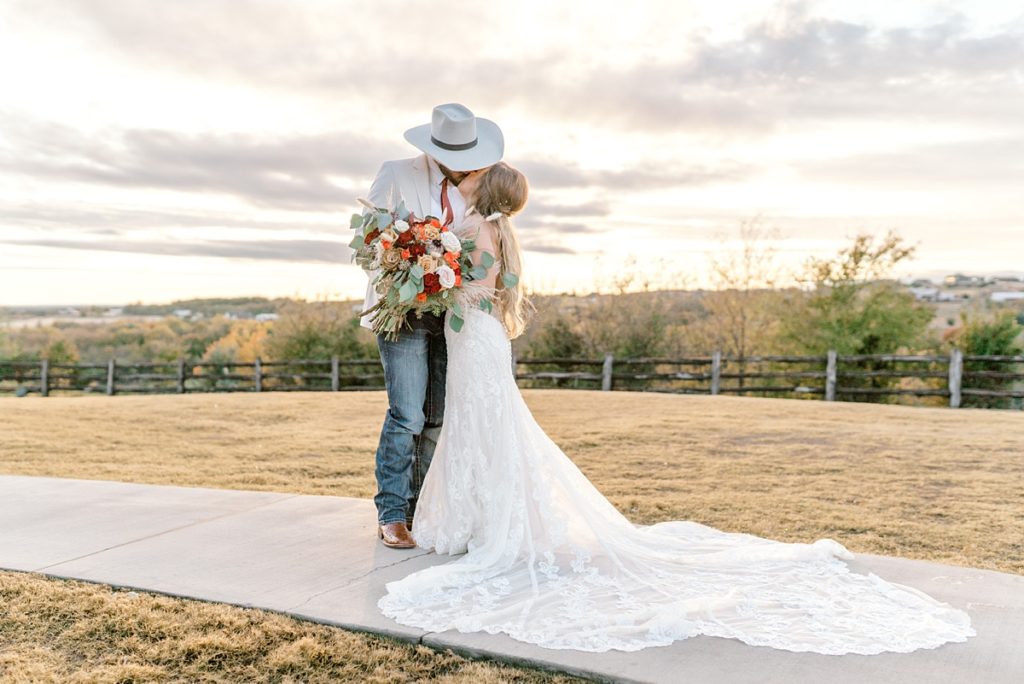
[
  {"x": 390, "y": 259},
  {"x": 428, "y": 263}
]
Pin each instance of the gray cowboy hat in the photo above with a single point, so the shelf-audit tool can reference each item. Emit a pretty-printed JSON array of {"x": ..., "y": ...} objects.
[{"x": 459, "y": 140}]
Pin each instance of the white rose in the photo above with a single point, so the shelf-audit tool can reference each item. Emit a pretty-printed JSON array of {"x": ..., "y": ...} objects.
[
  {"x": 445, "y": 276},
  {"x": 401, "y": 226},
  {"x": 451, "y": 242},
  {"x": 389, "y": 235}
]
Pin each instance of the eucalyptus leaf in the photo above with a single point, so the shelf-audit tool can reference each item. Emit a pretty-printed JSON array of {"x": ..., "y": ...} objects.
[
  {"x": 478, "y": 273},
  {"x": 402, "y": 211},
  {"x": 486, "y": 305},
  {"x": 455, "y": 322},
  {"x": 356, "y": 222},
  {"x": 416, "y": 271},
  {"x": 384, "y": 219},
  {"x": 356, "y": 242},
  {"x": 486, "y": 259},
  {"x": 407, "y": 291},
  {"x": 457, "y": 308},
  {"x": 509, "y": 279}
]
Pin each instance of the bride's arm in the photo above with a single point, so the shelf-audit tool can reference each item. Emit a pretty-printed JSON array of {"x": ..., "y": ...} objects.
[{"x": 486, "y": 242}]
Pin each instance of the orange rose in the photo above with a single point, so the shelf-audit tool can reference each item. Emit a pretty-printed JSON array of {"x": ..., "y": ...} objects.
[
  {"x": 405, "y": 254},
  {"x": 421, "y": 297},
  {"x": 385, "y": 244},
  {"x": 458, "y": 279}
]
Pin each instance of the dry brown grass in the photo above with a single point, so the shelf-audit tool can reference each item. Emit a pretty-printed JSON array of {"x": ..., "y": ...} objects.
[
  {"x": 937, "y": 484},
  {"x": 66, "y": 631}
]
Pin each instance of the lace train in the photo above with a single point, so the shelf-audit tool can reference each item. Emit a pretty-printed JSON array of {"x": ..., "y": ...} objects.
[{"x": 546, "y": 559}]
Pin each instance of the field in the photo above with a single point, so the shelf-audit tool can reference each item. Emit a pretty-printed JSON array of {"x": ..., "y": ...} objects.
[{"x": 936, "y": 484}]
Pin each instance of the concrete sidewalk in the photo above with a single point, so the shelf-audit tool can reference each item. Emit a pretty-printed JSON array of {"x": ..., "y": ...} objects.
[{"x": 317, "y": 558}]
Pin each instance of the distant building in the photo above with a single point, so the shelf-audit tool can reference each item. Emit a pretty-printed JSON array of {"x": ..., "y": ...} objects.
[
  {"x": 70, "y": 311},
  {"x": 183, "y": 313},
  {"x": 925, "y": 294},
  {"x": 1006, "y": 296},
  {"x": 266, "y": 317},
  {"x": 961, "y": 280}
]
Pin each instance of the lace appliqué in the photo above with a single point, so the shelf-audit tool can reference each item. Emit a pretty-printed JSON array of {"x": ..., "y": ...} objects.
[{"x": 543, "y": 557}]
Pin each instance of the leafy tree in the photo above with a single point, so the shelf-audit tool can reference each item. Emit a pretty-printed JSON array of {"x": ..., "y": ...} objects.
[
  {"x": 319, "y": 330},
  {"x": 556, "y": 339},
  {"x": 61, "y": 350},
  {"x": 999, "y": 336},
  {"x": 851, "y": 306},
  {"x": 243, "y": 343}
]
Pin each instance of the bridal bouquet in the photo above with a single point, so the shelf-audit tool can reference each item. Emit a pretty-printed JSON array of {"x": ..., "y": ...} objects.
[{"x": 420, "y": 266}]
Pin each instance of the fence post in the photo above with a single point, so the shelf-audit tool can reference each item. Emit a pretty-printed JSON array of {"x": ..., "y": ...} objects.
[
  {"x": 110, "y": 377},
  {"x": 716, "y": 371},
  {"x": 830, "y": 376},
  {"x": 335, "y": 381},
  {"x": 44, "y": 378},
  {"x": 257, "y": 373},
  {"x": 181, "y": 376},
  {"x": 956, "y": 368},
  {"x": 606, "y": 372}
]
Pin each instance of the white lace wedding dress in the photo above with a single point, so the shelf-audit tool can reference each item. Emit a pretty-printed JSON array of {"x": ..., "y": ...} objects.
[{"x": 546, "y": 559}]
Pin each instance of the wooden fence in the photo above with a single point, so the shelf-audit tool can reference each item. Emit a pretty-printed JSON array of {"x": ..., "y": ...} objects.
[{"x": 998, "y": 379}]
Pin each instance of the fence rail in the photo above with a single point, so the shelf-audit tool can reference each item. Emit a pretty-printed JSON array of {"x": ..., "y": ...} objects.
[{"x": 831, "y": 376}]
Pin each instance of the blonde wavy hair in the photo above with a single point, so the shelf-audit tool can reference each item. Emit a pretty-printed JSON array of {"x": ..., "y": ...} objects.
[{"x": 503, "y": 190}]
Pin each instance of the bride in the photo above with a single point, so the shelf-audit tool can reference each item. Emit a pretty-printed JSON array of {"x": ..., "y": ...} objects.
[{"x": 546, "y": 559}]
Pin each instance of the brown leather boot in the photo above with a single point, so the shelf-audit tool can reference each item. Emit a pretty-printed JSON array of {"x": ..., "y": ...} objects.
[{"x": 395, "y": 535}]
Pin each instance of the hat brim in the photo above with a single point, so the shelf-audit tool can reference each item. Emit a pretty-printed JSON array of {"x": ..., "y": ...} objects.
[{"x": 489, "y": 149}]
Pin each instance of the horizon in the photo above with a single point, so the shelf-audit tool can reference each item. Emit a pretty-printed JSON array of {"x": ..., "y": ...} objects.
[
  {"x": 193, "y": 150},
  {"x": 935, "y": 279}
]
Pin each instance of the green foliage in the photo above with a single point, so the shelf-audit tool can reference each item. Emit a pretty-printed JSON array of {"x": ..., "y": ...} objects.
[
  {"x": 556, "y": 338},
  {"x": 61, "y": 350},
  {"x": 996, "y": 337},
  {"x": 999, "y": 336},
  {"x": 319, "y": 330},
  {"x": 851, "y": 309}
]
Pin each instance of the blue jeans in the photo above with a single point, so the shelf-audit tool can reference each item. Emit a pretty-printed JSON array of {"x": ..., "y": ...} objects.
[{"x": 414, "y": 376}]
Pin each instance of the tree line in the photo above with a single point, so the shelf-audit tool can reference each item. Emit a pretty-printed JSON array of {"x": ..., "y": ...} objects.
[{"x": 847, "y": 302}]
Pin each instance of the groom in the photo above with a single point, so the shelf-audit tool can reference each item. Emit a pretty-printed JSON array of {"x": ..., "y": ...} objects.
[{"x": 454, "y": 143}]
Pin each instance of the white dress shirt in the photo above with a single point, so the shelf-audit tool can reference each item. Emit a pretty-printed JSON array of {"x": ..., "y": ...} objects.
[
  {"x": 458, "y": 202},
  {"x": 418, "y": 182}
]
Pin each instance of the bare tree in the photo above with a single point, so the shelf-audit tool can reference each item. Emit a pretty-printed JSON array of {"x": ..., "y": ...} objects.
[{"x": 739, "y": 308}]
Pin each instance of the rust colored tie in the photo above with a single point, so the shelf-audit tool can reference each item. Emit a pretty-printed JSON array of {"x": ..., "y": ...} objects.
[{"x": 447, "y": 215}]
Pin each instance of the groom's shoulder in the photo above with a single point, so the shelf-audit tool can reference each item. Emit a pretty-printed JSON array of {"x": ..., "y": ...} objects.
[{"x": 403, "y": 164}]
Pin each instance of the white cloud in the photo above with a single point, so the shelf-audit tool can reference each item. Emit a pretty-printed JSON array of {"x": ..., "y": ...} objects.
[{"x": 138, "y": 121}]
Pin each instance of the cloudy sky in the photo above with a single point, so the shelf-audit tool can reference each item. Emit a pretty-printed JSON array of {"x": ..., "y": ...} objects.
[{"x": 157, "y": 150}]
